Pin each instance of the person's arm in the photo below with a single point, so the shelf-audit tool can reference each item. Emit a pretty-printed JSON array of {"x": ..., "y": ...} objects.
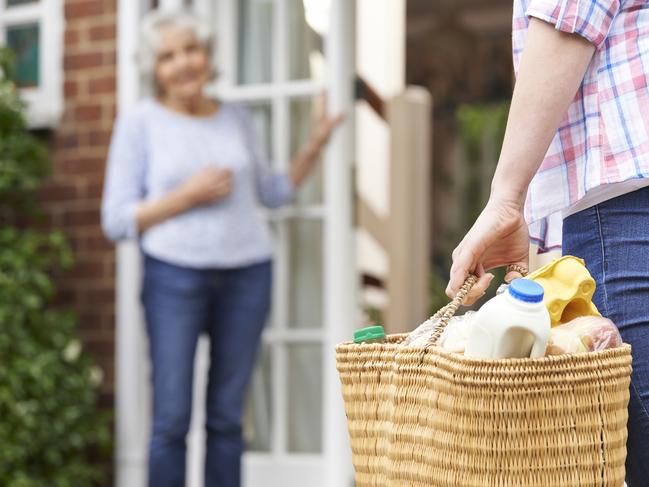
[
  {"x": 552, "y": 67},
  {"x": 307, "y": 157},
  {"x": 125, "y": 213},
  {"x": 304, "y": 162},
  {"x": 275, "y": 189},
  {"x": 206, "y": 186},
  {"x": 125, "y": 178}
]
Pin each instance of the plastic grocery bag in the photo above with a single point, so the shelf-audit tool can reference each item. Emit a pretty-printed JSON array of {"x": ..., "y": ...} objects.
[
  {"x": 584, "y": 334},
  {"x": 453, "y": 338}
]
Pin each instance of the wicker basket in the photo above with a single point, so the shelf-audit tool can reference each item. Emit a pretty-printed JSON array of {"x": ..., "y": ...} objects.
[{"x": 427, "y": 417}]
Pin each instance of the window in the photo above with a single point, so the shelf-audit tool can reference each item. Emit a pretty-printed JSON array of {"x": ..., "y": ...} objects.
[{"x": 36, "y": 45}]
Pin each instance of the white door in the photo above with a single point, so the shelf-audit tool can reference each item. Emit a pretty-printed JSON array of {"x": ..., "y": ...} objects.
[{"x": 274, "y": 56}]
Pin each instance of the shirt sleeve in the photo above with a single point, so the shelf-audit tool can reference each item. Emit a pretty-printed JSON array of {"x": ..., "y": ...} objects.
[
  {"x": 274, "y": 189},
  {"x": 590, "y": 19},
  {"x": 124, "y": 183}
]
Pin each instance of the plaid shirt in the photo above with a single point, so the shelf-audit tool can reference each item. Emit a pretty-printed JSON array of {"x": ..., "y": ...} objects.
[{"x": 604, "y": 136}]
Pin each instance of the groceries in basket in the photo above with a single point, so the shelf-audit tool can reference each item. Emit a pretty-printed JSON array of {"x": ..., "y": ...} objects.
[
  {"x": 514, "y": 324},
  {"x": 370, "y": 334},
  {"x": 584, "y": 334},
  {"x": 412, "y": 405},
  {"x": 518, "y": 322},
  {"x": 453, "y": 338},
  {"x": 568, "y": 287}
]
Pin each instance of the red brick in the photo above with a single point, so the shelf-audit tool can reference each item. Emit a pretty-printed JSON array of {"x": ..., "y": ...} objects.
[
  {"x": 59, "y": 191},
  {"x": 100, "y": 347},
  {"x": 110, "y": 58},
  {"x": 85, "y": 113},
  {"x": 67, "y": 141},
  {"x": 99, "y": 137},
  {"x": 83, "y": 60},
  {"x": 83, "y": 8},
  {"x": 94, "y": 189},
  {"x": 89, "y": 161},
  {"x": 81, "y": 165},
  {"x": 81, "y": 286},
  {"x": 98, "y": 316},
  {"x": 70, "y": 89},
  {"x": 97, "y": 243},
  {"x": 110, "y": 112},
  {"x": 64, "y": 297},
  {"x": 110, "y": 6},
  {"x": 72, "y": 37},
  {"x": 103, "y": 32},
  {"x": 99, "y": 295},
  {"x": 105, "y": 84},
  {"x": 81, "y": 217},
  {"x": 87, "y": 268}
]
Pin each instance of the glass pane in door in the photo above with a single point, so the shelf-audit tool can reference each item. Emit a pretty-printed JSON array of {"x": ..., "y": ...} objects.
[
  {"x": 307, "y": 19},
  {"x": 306, "y": 273},
  {"x": 262, "y": 118},
  {"x": 255, "y": 41},
  {"x": 302, "y": 110},
  {"x": 259, "y": 413},
  {"x": 305, "y": 399}
]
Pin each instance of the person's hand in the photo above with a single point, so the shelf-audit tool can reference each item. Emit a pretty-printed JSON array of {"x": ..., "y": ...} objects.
[
  {"x": 208, "y": 185},
  {"x": 498, "y": 237},
  {"x": 323, "y": 123}
]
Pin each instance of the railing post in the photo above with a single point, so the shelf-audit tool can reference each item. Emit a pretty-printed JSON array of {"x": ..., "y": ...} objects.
[{"x": 408, "y": 116}]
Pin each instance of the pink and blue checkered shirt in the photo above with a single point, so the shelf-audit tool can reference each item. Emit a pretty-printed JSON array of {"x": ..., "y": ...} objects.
[{"x": 604, "y": 136}]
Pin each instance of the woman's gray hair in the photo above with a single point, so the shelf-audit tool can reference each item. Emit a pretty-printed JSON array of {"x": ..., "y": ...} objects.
[{"x": 157, "y": 20}]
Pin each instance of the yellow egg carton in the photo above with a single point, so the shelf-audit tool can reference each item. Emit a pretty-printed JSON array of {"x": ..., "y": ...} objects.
[{"x": 568, "y": 287}]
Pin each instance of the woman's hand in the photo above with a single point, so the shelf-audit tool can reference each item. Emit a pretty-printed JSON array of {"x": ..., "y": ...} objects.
[
  {"x": 498, "y": 237},
  {"x": 551, "y": 70},
  {"x": 323, "y": 126},
  {"x": 208, "y": 185}
]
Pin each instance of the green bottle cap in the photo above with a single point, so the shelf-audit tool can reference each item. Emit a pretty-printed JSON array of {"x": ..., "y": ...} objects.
[{"x": 370, "y": 333}]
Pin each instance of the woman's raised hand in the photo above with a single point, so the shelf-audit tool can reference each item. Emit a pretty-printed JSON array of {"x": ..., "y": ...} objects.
[{"x": 323, "y": 123}]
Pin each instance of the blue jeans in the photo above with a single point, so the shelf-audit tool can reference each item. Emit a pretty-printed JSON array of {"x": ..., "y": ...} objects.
[
  {"x": 613, "y": 239},
  {"x": 231, "y": 306}
]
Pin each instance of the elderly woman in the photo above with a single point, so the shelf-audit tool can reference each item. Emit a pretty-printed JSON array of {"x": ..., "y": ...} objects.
[{"x": 186, "y": 177}]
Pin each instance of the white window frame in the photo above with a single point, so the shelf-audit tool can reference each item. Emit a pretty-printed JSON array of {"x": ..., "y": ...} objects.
[{"x": 45, "y": 102}]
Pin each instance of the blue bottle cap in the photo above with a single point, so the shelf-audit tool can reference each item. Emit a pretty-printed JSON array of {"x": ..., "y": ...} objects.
[{"x": 526, "y": 290}]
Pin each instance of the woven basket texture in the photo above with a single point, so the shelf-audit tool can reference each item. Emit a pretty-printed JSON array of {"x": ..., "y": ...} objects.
[{"x": 426, "y": 417}]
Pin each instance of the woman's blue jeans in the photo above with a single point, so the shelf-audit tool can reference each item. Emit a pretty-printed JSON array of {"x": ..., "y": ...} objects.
[
  {"x": 613, "y": 239},
  {"x": 231, "y": 307}
]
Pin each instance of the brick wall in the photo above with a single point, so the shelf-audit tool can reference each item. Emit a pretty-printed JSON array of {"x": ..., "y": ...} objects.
[{"x": 72, "y": 198}]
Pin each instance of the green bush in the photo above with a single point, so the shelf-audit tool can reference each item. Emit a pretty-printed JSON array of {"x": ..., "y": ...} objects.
[{"x": 51, "y": 433}]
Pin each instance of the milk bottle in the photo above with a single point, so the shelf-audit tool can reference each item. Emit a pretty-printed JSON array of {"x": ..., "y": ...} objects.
[{"x": 515, "y": 323}]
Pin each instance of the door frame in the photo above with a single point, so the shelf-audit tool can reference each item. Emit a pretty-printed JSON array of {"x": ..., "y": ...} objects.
[{"x": 333, "y": 466}]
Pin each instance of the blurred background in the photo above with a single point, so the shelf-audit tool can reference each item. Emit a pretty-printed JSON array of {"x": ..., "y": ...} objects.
[{"x": 425, "y": 85}]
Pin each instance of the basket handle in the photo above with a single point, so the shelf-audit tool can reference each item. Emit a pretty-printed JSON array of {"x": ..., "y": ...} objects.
[{"x": 446, "y": 313}]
